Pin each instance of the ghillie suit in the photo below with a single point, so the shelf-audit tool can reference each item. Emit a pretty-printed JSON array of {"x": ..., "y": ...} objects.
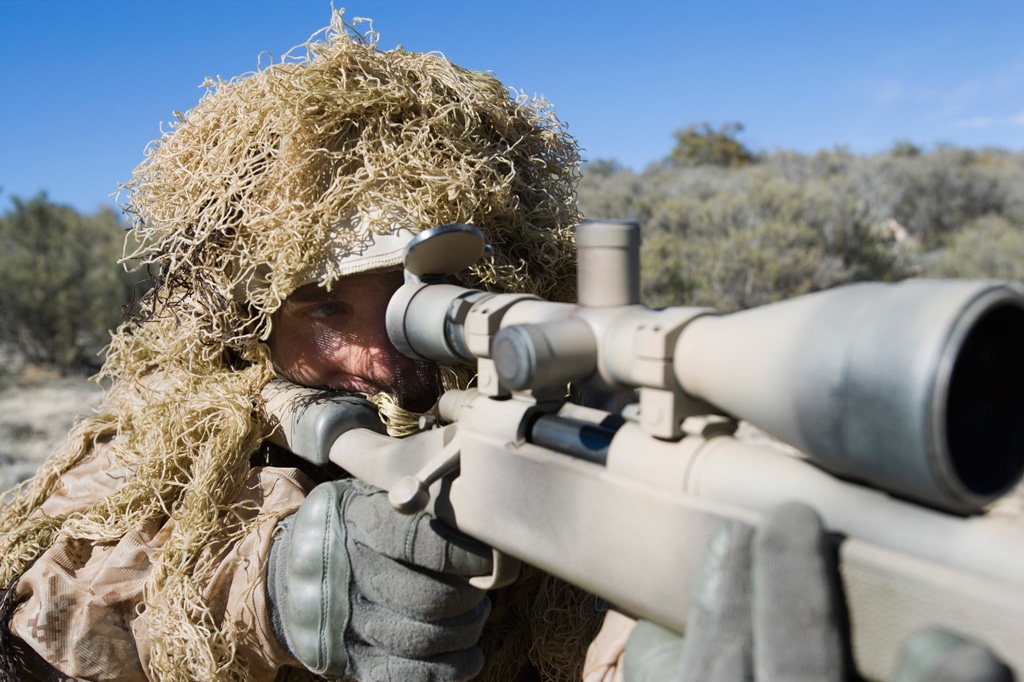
[{"x": 276, "y": 179}]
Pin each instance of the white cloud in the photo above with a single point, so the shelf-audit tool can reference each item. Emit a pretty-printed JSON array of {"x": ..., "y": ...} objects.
[
  {"x": 990, "y": 122},
  {"x": 957, "y": 104},
  {"x": 978, "y": 122}
]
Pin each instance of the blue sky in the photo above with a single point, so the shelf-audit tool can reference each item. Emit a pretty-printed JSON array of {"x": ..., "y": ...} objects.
[{"x": 85, "y": 84}]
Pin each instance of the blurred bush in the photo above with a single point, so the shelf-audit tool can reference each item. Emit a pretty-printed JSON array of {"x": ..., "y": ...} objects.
[
  {"x": 702, "y": 145},
  {"x": 990, "y": 246},
  {"x": 61, "y": 289},
  {"x": 732, "y": 235}
]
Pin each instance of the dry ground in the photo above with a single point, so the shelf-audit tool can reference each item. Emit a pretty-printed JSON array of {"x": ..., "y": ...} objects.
[{"x": 35, "y": 415}]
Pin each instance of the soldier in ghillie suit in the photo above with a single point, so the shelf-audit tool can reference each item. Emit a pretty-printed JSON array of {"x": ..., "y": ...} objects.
[
  {"x": 272, "y": 218},
  {"x": 171, "y": 540}
]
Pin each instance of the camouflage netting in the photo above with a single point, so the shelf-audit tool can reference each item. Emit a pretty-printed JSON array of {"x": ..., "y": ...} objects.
[
  {"x": 260, "y": 182},
  {"x": 272, "y": 176}
]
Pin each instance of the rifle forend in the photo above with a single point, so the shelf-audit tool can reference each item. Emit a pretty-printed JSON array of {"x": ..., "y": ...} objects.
[{"x": 913, "y": 388}]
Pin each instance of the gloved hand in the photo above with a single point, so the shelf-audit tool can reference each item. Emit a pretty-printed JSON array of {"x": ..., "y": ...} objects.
[
  {"x": 939, "y": 656},
  {"x": 768, "y": 607},
  {"x": 355, "y": 588}
]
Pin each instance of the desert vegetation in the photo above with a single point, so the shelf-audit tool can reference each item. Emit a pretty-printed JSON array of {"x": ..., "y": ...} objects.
[
  {"x": 729, "y": 228},
  {"x": 61, "y": 287}
]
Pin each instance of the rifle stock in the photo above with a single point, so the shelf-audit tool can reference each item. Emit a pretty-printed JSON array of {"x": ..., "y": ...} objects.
[{"x": 925, "y": 374}]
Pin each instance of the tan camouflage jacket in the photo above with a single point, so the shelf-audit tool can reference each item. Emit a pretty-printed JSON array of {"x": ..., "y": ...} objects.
[
  {"x": 79, "y": 602},
  {"x": 79, "y": 614}
]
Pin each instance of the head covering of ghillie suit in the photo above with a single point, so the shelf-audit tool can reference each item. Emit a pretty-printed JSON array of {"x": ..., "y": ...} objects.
[{"x": 296, "y": 173}]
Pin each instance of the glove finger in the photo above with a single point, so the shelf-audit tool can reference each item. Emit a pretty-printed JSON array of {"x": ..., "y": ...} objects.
[
  {"x": 372, "y": 664},
  {"x": 396, "y": 633},
  {"x": 418, "y": 593},
  {"x": 653, "y": 654},
  {"x": 718, "y": 624},
  {"x": 939, "y": 656},
  {"x": 415, "y": 539},
  {"x": 797, "y": 624},
  {"x": 733, "y": 664}
]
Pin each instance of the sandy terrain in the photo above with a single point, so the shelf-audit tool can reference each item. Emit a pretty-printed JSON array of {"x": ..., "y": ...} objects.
[{"x": 34, "y": 418}]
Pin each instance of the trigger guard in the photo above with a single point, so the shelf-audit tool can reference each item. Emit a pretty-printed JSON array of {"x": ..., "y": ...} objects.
[{"x": 505, "y": 571}]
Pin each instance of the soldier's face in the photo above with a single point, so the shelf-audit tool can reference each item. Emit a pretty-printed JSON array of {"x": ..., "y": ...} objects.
[{"x": 337, "y": 339}]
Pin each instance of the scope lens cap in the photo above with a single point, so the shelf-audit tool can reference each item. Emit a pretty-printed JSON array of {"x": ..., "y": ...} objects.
[{"x": 445, "y": 250}]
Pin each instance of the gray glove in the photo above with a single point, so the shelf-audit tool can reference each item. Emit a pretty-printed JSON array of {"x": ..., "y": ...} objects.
[
  {"x": 939, "y": 656},
  {"x": 765, "y": 607},
  {"x": 768, "y": 607},
  {"x": 357, "y": 589}
]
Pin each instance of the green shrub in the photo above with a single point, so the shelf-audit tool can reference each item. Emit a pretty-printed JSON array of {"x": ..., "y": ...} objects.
[
  {"x": 701, "y": 145},
  {"x": 990, "y": 247},
  {"x": 744, "y": 268},
  {"x": 61, "y": 289}
]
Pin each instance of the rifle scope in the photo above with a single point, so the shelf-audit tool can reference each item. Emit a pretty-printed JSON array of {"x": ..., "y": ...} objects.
[{"x": 916, "y": 388}]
